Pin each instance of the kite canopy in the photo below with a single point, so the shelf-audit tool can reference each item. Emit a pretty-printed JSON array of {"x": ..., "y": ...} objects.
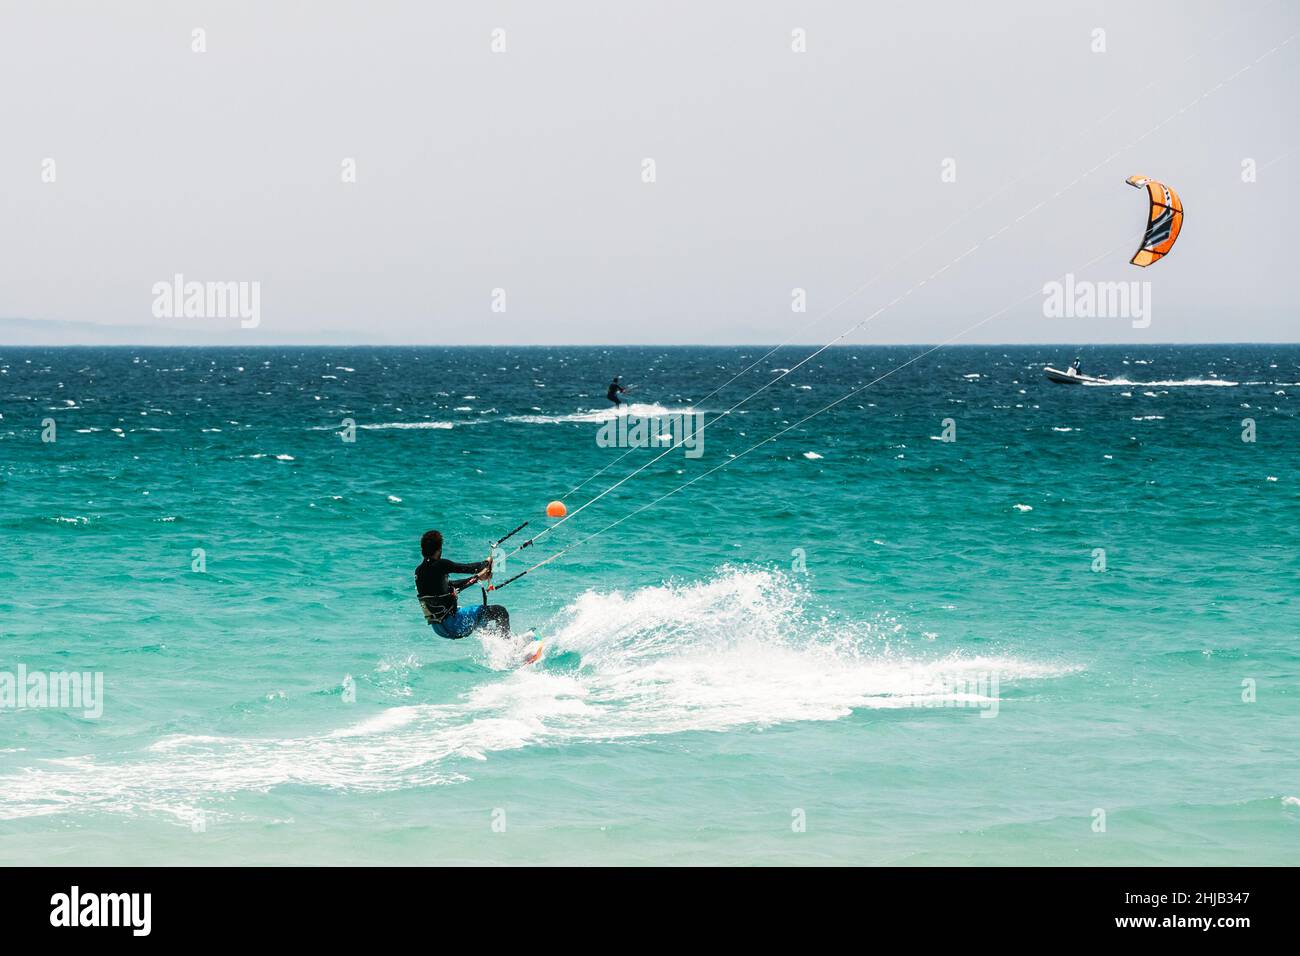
[{"x": 1163, "y": 224}]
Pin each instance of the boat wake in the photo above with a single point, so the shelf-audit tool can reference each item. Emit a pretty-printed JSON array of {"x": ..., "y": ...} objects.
[{"x": 1166, "y": 383}]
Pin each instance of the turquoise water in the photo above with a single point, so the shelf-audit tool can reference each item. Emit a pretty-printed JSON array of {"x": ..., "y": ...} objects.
[{"x": 896, "y": 652}]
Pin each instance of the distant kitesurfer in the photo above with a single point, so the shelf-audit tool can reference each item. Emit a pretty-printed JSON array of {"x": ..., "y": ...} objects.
[
  {"x": 615, "y": 389},
  {"x": 437, "y": 592}
]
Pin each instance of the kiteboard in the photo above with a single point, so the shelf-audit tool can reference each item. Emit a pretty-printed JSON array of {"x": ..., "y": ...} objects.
[{"x": 530, "y": 649}]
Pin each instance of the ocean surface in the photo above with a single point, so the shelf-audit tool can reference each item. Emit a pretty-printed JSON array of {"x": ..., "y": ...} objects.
[{"x": 1068, "y": 636}]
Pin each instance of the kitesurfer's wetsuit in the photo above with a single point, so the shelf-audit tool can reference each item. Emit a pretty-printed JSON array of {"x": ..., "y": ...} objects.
[
  {"x": 437, "y": 593},
  {"x": 614, "y": 389}
]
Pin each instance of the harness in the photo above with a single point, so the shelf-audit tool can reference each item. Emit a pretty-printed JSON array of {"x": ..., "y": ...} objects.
[{"x": 436, "y": 614}]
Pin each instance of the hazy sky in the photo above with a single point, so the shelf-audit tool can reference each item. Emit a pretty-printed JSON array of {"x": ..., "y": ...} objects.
[{"x": 523, "y": 170}]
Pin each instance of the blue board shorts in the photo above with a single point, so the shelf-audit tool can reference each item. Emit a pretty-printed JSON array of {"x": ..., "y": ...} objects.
[{"x": 461, "y": 624}]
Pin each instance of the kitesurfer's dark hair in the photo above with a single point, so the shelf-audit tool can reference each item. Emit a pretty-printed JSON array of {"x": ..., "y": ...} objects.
[{"x": 430, "y": 543}]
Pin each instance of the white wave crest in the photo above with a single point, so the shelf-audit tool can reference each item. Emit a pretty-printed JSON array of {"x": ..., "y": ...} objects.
[
  {"x": 735, "y": 650},
  {"x": 637, "y": 410}
]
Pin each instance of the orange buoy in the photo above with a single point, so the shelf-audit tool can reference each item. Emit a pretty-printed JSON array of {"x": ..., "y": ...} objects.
[{"x": 556, "y": 509}]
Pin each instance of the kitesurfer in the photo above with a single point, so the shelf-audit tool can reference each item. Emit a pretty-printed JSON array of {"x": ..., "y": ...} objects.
[
  {"x": 437, "y": 592},
  {"x": 615, "y": 389}
]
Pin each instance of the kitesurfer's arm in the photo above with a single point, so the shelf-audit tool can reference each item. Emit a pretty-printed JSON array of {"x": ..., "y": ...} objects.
[{"x": 482, "y": 570}]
